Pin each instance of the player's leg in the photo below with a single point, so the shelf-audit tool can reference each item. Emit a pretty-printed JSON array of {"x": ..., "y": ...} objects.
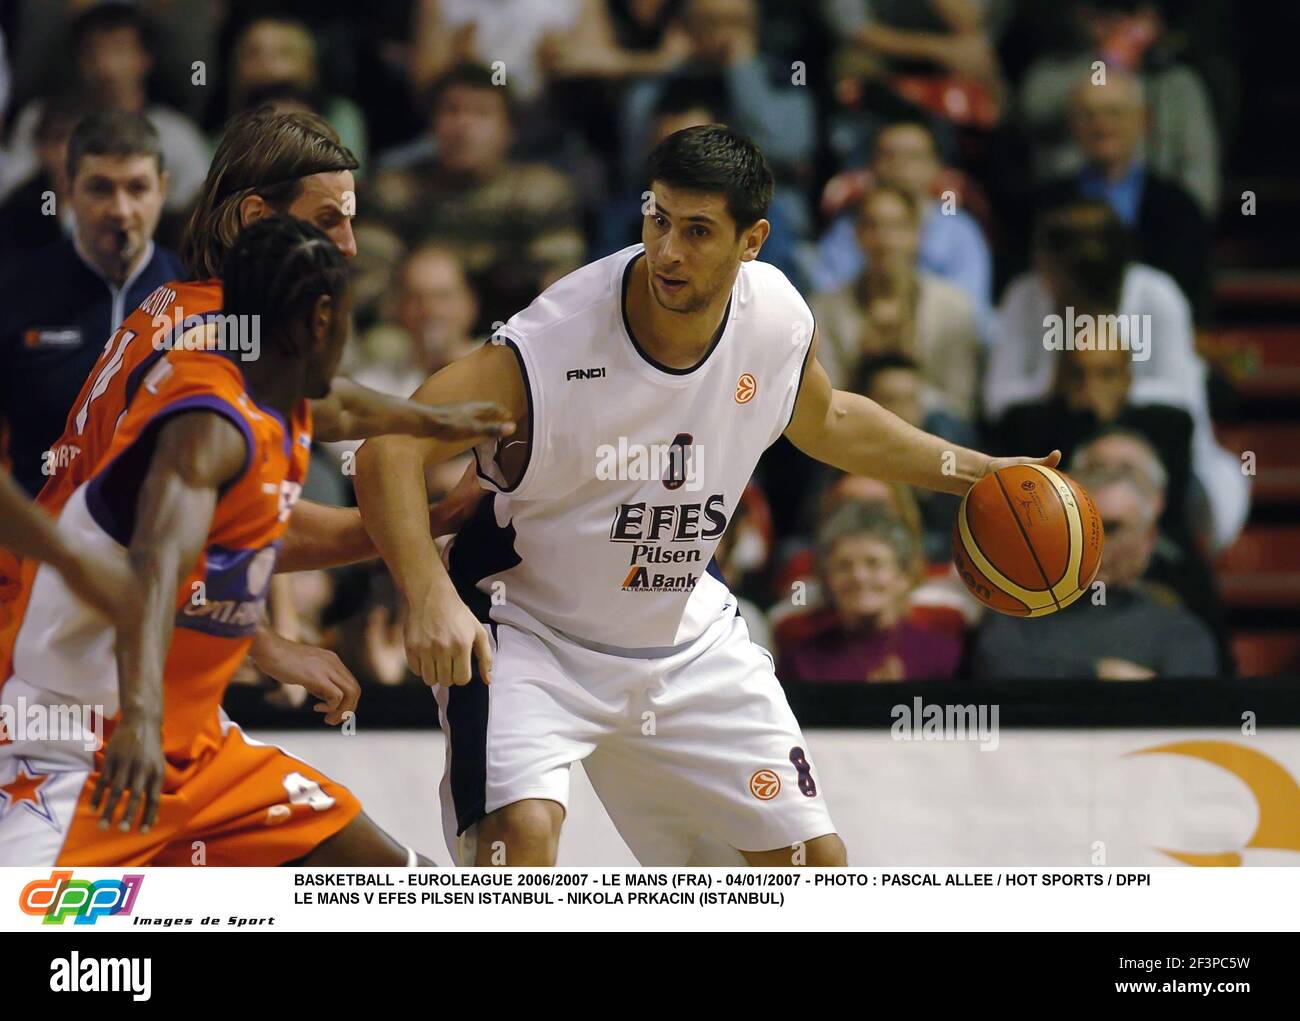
[
  {"x": 509, "y": 748},
  {"x": 46, "y": 780},
  {"x": 521, "y": 834},
  {"x": 361, "y": 842},
  {"x": 723, "y": 758},
  {"x": 256, "y": 804}
]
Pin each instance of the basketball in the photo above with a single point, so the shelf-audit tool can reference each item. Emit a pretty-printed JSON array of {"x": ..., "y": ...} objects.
[{"x": 1027, "y": 540}]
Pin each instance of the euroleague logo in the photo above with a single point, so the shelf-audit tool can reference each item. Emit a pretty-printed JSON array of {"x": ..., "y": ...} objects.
[
  {"x": 746, "y": 387},
  {"x": 765, "y": 785}
]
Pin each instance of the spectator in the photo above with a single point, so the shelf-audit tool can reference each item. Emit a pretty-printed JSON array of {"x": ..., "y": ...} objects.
[
  {"x": 895, "y": 307},
  {"x": 37, "y": 213},
  {"x": 59, "y": 308},
  {"x": 1169, "y": 230},
  {"x": 895, "y": 382},
  {"x": 619, "y": 38},
  {"x": 434, "y": 311},
  {"x": 950, "y": 245},
  {"x": 1181, "y": 139},
  {"x": 1091, "y": 392},
  {"x": 1118, "y": 631},
  {"x": 1178, "y": 564},
  {"x": 758, "y": 100},
  {"x": 867, "y": 560},
  {"x": 936, "y": 55},
  {"x": 513, "y": 225},
  {"x": 113, "y": 53},
  {"x": 279, "y": 51},
  {"x": 511, "y": 33},
  {"x": 1085, "y": 285}
]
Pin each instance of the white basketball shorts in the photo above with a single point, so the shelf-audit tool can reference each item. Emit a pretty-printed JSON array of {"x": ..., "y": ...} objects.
[{"x": 697, "y": 743}]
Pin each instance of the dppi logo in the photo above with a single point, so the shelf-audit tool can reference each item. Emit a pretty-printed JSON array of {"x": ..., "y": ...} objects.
[{"x": 61, "y": 896}]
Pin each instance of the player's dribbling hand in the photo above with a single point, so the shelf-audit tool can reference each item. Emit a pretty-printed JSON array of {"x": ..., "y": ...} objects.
[
  {"x": 470, "y": 420},
  {"x": 998, "y": 463},
  {"x": 133, "y": 761},
  {"x": 442, "y": 639}
]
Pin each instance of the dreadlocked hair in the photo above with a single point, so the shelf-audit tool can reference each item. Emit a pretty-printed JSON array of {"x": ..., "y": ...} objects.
[{"x": 277, "y": 269}]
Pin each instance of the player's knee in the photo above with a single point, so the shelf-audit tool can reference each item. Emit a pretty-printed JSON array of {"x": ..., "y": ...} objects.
[
  {"x": 525, "y": 833},
  {"x": 827, "y": 852}
]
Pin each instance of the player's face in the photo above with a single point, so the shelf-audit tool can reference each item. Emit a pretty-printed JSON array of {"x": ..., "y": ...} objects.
[
  {"x": 865, "y": 581},
  {"x": 117, "y": 201},
  {"x": 692, "y": 249},
  {"x": 329, "y": 201},
  {"x": 331, "y": 325}
]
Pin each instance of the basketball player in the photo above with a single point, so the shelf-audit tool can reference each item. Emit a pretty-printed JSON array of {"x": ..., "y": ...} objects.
[
  {"x": 192, "y": 499},
  {"x": 613, "y": 639},
  {"x": 267, "y": 163}
]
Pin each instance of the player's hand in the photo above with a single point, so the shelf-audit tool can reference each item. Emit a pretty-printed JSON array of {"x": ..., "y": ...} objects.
[
  {"x": 469, "y": 420},
  {"x": 318, "y": 670},
  {"x": 133, "y": 761},
  {"x": 442, "y": 637},
  {"x": 998, "y": 463}
]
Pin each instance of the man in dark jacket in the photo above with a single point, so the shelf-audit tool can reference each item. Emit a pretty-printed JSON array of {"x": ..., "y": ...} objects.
[{"x": 60, "y": 306}]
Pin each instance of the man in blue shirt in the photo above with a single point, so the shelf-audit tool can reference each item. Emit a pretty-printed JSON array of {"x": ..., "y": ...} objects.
[
  {"x": 952, "y": 245},
  {"x": 59, "y": 307}
]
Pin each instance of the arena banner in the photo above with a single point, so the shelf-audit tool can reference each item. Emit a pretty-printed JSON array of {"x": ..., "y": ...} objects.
[{"x": 943, "y": 787}]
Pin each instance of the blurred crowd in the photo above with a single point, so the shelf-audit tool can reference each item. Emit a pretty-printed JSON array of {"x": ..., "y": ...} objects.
[{"x": 952, "y": 175}]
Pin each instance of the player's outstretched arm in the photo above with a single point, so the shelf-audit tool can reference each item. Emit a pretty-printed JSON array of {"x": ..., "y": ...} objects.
[
  {"x": 355, "y": 412},
  {"x": 196, "y": 453},
  {"x": 855, "y": 434},
  {"x": 31, "y": 532},
  {"x": 320, "y": 537},
  {"x": 441, "y": 634}
]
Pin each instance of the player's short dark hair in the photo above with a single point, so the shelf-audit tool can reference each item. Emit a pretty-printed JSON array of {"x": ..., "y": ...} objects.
[
  {"x": 715, "y": 158},
  {"x": 470, "y": 75},
  {"x": 1087, "y": 243},
  {"x": 109, "y": 17},
  {"x": 277, "y": 269},
  {"x": 263, "y": 153},
  {"x": 873, "y": 366},
  {"x": 113, "y": 133}
]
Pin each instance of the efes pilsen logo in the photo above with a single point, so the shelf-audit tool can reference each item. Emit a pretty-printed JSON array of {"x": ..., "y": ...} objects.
[{"x": 61, "y": 897}]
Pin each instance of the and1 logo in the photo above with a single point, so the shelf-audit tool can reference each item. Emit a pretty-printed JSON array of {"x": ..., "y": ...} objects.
[{"x": 61, "y": 897}]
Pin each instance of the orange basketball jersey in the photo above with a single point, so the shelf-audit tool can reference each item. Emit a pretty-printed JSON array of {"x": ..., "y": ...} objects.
[
  {"x": 137, "y": 345},
  {"x": 61, "y": 646}
]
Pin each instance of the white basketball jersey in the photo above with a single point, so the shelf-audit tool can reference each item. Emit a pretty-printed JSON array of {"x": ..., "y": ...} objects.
[{"x": 633, "y": 469}]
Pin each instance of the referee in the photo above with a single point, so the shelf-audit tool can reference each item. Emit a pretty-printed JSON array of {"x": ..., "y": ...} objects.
[{"x": 59, "y": 307}]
